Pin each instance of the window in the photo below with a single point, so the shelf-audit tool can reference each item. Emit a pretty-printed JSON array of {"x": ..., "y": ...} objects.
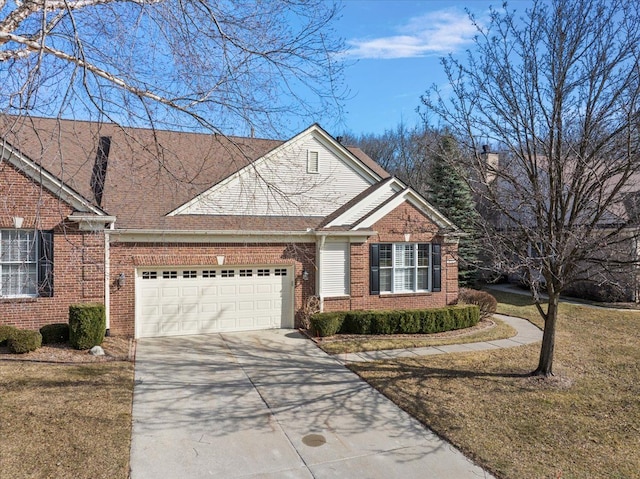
[
  {"x": 209, "y": 273},
  {"x": 169, "y": 274},
  {"x": 312, "y": 162},
  {"x": 246, "y": 272},
  {"x": 189, "y": 274},
  {"x": 404, "y": 267},
  {"x": 263, "y": 272},
  {"x": 227, "y": 273},
  {"x": 280, "y": 272},
  {"x": 149, "y": 275},
  {"x": 26, "y": 263}
]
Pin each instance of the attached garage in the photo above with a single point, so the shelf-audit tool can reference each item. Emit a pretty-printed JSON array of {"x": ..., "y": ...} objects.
[{"x": 173, "y": 301}]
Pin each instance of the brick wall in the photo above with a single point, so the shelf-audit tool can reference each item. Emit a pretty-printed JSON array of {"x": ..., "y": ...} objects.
[
  {"x": 78, "y": 256},
  {"x": 126, "y": 257},
  {"x": 405, "y": 224}
]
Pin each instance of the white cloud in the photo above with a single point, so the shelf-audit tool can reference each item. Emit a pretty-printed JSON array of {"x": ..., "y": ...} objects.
[{"x": 436, "y": 33}]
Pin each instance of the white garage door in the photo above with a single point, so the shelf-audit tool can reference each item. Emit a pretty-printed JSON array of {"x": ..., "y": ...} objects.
[{"x": 175, "y": 301}]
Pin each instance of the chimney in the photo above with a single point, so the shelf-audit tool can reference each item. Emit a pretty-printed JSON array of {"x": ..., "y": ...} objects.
[
  {"x": 100, "y": 168},
  {"x": 491, "y": 161}
]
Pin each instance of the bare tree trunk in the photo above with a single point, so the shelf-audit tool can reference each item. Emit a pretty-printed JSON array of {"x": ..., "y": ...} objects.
[{"x": 545, "y": 364}]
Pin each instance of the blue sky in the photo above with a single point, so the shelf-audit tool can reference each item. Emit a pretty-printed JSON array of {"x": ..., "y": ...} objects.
[{"x": 394, "y": 54}]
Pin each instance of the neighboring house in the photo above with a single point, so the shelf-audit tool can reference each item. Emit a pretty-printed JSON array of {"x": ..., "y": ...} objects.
[
  {"x": 605, "y": 266},
  {"x": 183, "y": 233}
]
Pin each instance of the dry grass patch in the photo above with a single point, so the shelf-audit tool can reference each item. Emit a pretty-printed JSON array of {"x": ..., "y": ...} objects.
[
  {"x": 585, "y": 422},
  {"x": 65, "y": 421},
  {"x": 484, "y": 331}
]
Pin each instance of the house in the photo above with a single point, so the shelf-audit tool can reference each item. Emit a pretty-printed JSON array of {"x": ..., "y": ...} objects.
[
  {"x": 576, "y": 218},
  {"x": 182, "y": 233}
]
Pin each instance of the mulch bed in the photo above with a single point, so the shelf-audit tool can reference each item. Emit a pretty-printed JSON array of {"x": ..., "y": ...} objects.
[
  {"x": 115, "y": 349},
  {"x": 456, "y": 333}
]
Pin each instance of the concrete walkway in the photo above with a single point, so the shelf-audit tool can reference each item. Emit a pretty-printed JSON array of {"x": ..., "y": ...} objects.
[
  {"x": 270, "y": 404},
  {"x": 526, "y": 333}
]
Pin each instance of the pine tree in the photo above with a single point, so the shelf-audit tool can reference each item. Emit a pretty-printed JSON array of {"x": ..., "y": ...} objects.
[{"x": 450, "y": 194}]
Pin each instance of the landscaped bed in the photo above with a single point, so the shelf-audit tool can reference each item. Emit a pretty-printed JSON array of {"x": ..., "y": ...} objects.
[
  {"x": 485, "y": 330},
  {"x": 584, "y": 422}
]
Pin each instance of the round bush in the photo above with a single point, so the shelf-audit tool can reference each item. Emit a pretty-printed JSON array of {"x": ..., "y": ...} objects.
[
  {"x": 23, "y": 341},
  {"x": 484, "y": 300},
  {"x": 55, "y": 333},
  {"x": 87, "y": 325},
  {"x": 6, "y": 332}
]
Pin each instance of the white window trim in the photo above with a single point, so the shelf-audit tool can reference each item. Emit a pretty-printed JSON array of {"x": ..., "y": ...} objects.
[
  {"x": 311, "y": 168},
  {"x": 415, "y": 267},
  {"x": 12, "y": 263}
]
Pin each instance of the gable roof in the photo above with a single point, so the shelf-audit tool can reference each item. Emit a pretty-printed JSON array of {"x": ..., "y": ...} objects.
[{"x": 152, "y": 173}]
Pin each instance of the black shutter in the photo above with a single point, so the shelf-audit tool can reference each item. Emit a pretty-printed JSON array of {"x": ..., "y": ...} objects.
[
  {"x": 436, "y": 269},
  {"x": 45, "y": 263},
  {"x": 374, "y": 264}
]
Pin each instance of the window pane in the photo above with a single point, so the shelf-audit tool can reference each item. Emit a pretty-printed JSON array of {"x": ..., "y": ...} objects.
[
  {"x": 18, "y": 280},
  {"x": 385, "y": 280},
  {"x": 423, "y": 278},
  {"x": 404, "y": 256},
  {"x": 17, "y": 246},
  {"x": 423, "y": 254},
  {"x": 403, "y": 280},
  {"x": 385, "y": 256}
]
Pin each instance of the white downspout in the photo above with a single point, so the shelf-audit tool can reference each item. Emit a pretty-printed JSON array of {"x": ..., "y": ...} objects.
[
  {"x": 107, "y": 280},
  {"x": 319, "y": 272}
]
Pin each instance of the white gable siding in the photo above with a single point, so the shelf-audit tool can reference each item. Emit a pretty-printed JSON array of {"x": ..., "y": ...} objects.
[
  {"x": 367, "y": 205},
  {"x": 334, "y": 269},
  {"x": 280, "y": 185}
]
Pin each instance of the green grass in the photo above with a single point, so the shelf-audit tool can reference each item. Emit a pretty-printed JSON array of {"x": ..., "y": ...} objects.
[{"x": 584, "y": 422}]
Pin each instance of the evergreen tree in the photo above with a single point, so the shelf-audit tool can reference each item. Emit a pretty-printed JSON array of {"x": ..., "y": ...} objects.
[{"x": 451, "y": 195}]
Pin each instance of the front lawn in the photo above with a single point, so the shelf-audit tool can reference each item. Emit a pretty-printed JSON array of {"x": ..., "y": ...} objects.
[
  {"x": 585, "y": 422},
  {"x": 65, "y": 421}
]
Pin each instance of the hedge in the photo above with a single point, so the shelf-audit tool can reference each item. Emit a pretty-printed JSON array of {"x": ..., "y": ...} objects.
[
  {"x": 23, "y": 341},
  {"x": 87, "y": 325},
  {"x": 55, "y": 333},
  {"x": 6, "y": 332},
  {"x": 418, "y": 321}
]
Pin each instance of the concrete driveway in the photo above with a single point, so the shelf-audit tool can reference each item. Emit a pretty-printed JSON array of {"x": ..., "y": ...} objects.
[{"x": 270, "y": 404}]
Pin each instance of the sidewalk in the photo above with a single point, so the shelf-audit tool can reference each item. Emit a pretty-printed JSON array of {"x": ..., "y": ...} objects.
[{"x": 527, "y": 333}]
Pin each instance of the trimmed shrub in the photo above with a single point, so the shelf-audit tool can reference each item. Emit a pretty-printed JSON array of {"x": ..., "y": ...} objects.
[
  {"x": 55, "y": 333},
  {"x": 409, "y": 322},
  {"x": 386, "y": 322},
  {"x": 87, "y": 325},
  {"x": 391, "y": 322},
  {"x": 24, "y": 340},
  {"x": 485, "y": 301},
  {"x": 6, "y": 332},
  {"x": 326, "y": 324},
  {"x": 358, "y": 322}
]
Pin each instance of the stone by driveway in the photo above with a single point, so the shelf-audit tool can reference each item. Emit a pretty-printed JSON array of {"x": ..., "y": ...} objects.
[{"x": 270, "y": 404}]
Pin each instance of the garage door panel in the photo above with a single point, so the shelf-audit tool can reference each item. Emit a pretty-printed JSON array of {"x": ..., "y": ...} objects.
[
  {"x": 228, "y": 289},
  {"x": 174, "y": 301}
]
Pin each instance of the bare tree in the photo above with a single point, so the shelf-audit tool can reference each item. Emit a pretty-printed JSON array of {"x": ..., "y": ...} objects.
[
  {"x": 404, "y": 152},
  {"x": 227, "y": 66},
  {"x": 557, "y": 90}
]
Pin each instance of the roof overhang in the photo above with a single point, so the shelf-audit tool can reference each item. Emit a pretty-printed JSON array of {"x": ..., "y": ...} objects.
[{"x": 232, "y": 236}]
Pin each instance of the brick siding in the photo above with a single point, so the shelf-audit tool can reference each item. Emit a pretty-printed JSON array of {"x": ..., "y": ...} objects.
[
  {"x": 78, "y": 256},
  {"x": 126, "y": 257},
  {"x": 393, "y": 228}
]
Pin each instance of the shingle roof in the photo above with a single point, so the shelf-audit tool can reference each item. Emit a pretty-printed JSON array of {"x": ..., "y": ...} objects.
[{"x": 150, "y": 172}]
